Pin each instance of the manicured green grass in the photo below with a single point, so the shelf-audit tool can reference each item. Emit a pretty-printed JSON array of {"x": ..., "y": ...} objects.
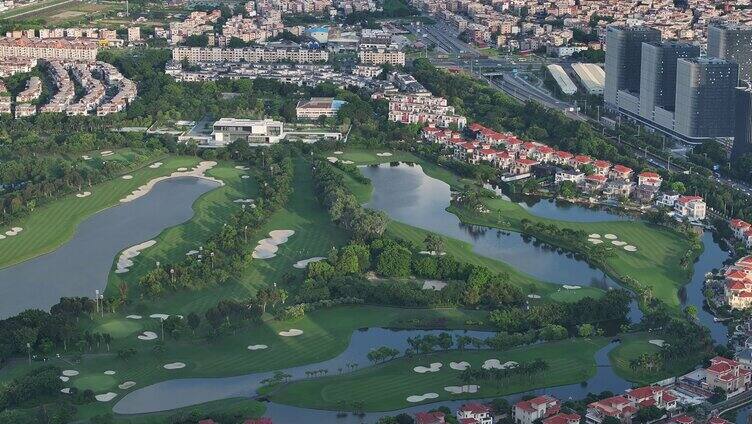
[
  {"x": 50, "y": 226},
  {"x": 636, "y": 344},
  {"x": 385, "y": 387},
  {"x": 656, "y": 263},
  {"x": 211, "y": 211},
  {"x": 246, "y": 408}
]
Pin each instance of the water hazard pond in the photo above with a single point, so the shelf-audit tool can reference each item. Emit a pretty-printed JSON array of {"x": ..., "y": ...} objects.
[{"x": 82, "y": 264}]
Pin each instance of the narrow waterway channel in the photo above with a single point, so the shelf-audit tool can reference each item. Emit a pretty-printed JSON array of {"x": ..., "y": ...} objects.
[{"x": 82, "y": 264}]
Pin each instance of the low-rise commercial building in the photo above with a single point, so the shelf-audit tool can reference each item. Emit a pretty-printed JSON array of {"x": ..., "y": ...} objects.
[
  {"x": 248, "y": 55},
  {"x": 377, "y": 56},
  {"x": 318, "y": 106}
]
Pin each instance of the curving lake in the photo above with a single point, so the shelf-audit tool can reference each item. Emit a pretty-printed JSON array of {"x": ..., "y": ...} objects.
[
  {"x": 82, "y": 264},
  {"x": 410, "y": 196}
]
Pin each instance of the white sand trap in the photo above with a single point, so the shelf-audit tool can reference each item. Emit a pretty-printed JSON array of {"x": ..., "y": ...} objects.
[
  {"x": 459, "y": 366},
  {"x": 242, "y": 168},
  {"x": 348, "y": 162},
  {"x": 495, "y": 363},
  {"x": 174, "y": 366},
  {"x": 159, "y": 316},
  {"x": 568, "y": 287},
  {"x": 383, "y": 154},
  {"x": 434, "y": 285},
  {"x": 618, "y": 243},
  {"x": 110, "y": 372},
  {"x": 435, "y": 367},
  {"x": 262, "y": 254},
  {"x": 245, "y": 177},
  {"x": 127, "y": 177},
  {"x": 657, "y": 342},
  {"x": 125, "y": 262},
  {"x": 2, "y": 236},
  {"x": 534, "y": 296},
  {"x": 126, "y": 385},
  {"x": 293, "y": 332},
  {"x": 191, "y": 252},
  {"x": 134, "y": 316},
  {"x": 105, "y": 152},
  {"x": 84, "y": 194},
  {"x": 64, "y": 378},
  {"x": 595, "y": 241},
  {"x": 13, "y": 231},
  {"x": 421, "y": 398},
  {"x": 105, "y": 397},
  {"x": 610, "y": 236},
  {"x": 70, "y": 373},
  {"x": 594, "y": 235},
  {"x": 86, "y": 157},
  {"x": 338, "y": 152},
  {"x": 147, "y": 335},
  {"x": 470, "y": 388},
  {"x": 258, "y": 347},
  {"x": 332, "y": 159},
  {"x": 431, "y": 253},
  {"x": 199, "y": 172},
  {"x": 281, "y": 236},
  {"x": 65, "y": 390},
  {"x": 302, "y": 264},
  {"x": 243, "y": 201},
  {"x": 155, "y": 165},
  {"x": 630, "y": 248}
]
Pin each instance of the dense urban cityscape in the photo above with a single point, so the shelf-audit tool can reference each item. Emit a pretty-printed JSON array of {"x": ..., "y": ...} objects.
[{"x": 376, "y": 211}]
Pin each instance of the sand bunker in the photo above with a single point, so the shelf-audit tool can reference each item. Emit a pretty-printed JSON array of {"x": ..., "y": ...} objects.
[
  {"x": 495, "y": 363},
  {"x": 421, "y": 398},
  {"x": 84, "y": 194},
  {"x": 242, "y": 168},
  {"x": 267, "y": 248},
  {"x": 109, "y": 372},
  {"x": 134, "y": 316},
  {"x": 302, "y": 264},
  {"x": 245, "y": 177},
  {"x": 348, "y": 162},
  {"x": 65, "y": 390},
  {"x": 2, "y": 236},
  {"x": 127, "y": 177},
  {"x": 338, "y": 152},
  {"x": 124, "y": 262},
  {"x": 126, "y": 385},
  {"x": 618, "y": 243},
  {"x": 155, "y": 165},
  {"x": 281, "y": 236},
  {"x": 64, "y": 378},
  {"x": 594, "y": 235},
  {"x": 85, "y": 157},
  {"x": 434, "y": 285},
  {"x": 258, "y": 347},
  {"x": 182, "y": 169},
  {"x": 658, "y": 342},
  {"x": 70, "y": 373},
  {"x": 435, "y": 367},
  {"x": 431, "y": 253},
  {"x": 533, "y": 296},
  {"x": 291, "y": 332},
  {"x": 470, "y": 388},
  {"x": 191, "y": 252},
  {"x": 159, "y": 316},
  {"x": 595, "y": 241},
  {"x": 332, "y": 159},
  {"x": 147, "y": 335},
  {"x": 568, "y": 287},
  {"x": 13, "y": 231},
  {"x": 610, "y": 236},
  {"x": 198, "y": 172},
  {"x": 243, "y": 201},
  {"x": 105, "y": 397},
  {"x": 383, "y": 154},
  {"x": 459, "y": 366},
  {"x": 630, "y": 248},
  {"x": 174, "y": 366}
]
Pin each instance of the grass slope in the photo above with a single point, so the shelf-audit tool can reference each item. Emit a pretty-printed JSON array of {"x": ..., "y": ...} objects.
[
  {"x": 385, "y": 387},
  {"x": 51, "y": 225}
]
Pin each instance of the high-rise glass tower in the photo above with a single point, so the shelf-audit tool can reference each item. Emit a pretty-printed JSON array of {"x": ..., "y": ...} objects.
[{"x": 623, "y": 59}]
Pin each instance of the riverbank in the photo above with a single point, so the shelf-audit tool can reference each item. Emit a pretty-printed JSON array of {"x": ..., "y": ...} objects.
[{"x": 52, "y": 225}]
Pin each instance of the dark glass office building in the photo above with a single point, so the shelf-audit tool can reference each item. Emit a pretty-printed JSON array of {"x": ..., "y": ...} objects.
[
  {"x": 658, "y": 74},
  {"x": 743, "y": 125},
  {"x": 623, "y": 59},
  {"x": 732, "y": 42}
]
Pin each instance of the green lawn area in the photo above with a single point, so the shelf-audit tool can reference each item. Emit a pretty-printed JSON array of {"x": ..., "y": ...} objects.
[
  {"x": 635, "y": 344},
  {"x": 51, "y": 225},
  {"x": 326, "y": 333},
  {"x": 246, "y": 408},
  {"x": 656, "y": 263},
  {"x": 385, "y": 387}
]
